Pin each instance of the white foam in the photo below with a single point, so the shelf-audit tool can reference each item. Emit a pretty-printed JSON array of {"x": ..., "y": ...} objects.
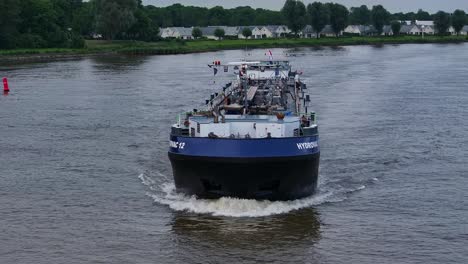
[
  {"x": 234, "y": 207},
  {"x": 146, "y": 180}
]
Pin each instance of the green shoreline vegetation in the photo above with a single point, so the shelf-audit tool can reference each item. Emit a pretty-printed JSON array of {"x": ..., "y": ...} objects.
[
  {"x": 195, "y": 46},
  {"x": 31, "y": 29}
]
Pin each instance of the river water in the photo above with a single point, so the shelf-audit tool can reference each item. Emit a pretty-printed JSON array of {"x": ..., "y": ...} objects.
[{"x": 85, "y": 178}]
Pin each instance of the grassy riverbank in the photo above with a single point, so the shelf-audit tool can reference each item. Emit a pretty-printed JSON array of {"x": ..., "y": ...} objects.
[{"x": 181, "y": 47}]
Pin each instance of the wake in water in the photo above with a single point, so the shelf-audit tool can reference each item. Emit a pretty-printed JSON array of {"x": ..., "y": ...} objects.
[{"x": 166, "y": 194}]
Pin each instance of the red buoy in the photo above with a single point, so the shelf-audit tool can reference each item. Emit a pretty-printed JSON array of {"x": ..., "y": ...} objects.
[{"x": 5, "y": 85}]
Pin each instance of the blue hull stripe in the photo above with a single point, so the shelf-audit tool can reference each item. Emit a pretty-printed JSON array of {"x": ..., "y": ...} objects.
[{"x": 244, "y": 148}]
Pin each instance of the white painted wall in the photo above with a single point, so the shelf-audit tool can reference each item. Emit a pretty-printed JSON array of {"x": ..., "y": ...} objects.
[{"x": 352, "y": 29}]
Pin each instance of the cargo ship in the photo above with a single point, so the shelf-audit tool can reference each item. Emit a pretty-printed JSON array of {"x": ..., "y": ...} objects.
[{"x": 254, "y": 139}]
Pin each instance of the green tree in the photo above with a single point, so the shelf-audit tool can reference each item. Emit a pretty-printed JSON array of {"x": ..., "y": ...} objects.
[
  {"x": 143, "y": 27},
  {"x": 242, "y": 16},
  {"x": 197, "y": 33},
  {"x": 268, "y": 17},
  {"x": 396, "y": 26},
  {"x": 380, "y": 17},
  {"x": 360, "y": 15},
  {"x": 219, "y": 33},
  {"x": 294, "y": 12},
  {"x": 176, "y": 13},
  {"x": 218, "y": 16},
  {"x": 411, "y": 16},
  {"x": 458, "y": 20},
  {"x": 422, "y": 15},
  {"x": 338, "y": 17},
  {"x": 9, "y": 21},
  {"x": 40, "y": 22},
  {"x": 83, "y": 19},
  {"x": 114, "y": 17},
  {"x": 246, "y": 32},
  {"x": 318, "y": 16},
  {"x": 65, "y": 11},
  {"x": 441, "y": 22},
  {"x": 189, "y": 16}
]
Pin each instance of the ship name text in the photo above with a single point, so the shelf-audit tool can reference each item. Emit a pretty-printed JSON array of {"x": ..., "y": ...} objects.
[
  {"x": 177, "y": 145},
  {"x": 307, "y": 145}
]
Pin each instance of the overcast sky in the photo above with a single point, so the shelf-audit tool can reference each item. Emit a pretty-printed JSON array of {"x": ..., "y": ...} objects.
[{"x": 392, "y": 5}]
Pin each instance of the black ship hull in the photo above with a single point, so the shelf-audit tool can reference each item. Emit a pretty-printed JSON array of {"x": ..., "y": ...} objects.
[{"x": 266, "y": 178}]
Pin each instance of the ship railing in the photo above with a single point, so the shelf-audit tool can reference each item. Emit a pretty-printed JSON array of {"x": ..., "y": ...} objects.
[
  {"x": 181, "y": 118},
  {"x": 311, "y": 117}
]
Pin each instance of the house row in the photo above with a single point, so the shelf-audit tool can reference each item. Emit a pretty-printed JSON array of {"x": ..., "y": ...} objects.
[
  {"x": 406, "y": 29},
  {"x": 176, "y": 32},
  {"x": 258, "y": 32},
  {"x": 363, "y": 30},
  {"x": 310, "y": 32},
  {"x": 278, "y": 31}
]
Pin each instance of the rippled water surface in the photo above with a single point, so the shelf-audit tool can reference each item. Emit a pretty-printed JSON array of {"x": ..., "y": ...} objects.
[{"x": 84, "y": 174}]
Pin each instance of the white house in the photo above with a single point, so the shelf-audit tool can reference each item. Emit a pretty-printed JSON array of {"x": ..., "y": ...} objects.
[
  {"x": 231, "y": 31},
  {"x": 176, "y": 32},
  {"x": 278, "y": 31},
  {"x": 452, "y": 31},
  {"x": 241, "y": 29},
  {"x": 308, "y": 32},
  {"x": 327, "y": 31},
  {"x": 361, "y": 30},
  {"x": 352, "y": 29},
  {"x": 209, "y": 31},
  {"x": 464, "y": 31},
  {"x": 410, "y": 30},
  {"x": 427, "y": 30},
  {"x": 261, "y": 32},
  {"x": 387, "y": 30}
]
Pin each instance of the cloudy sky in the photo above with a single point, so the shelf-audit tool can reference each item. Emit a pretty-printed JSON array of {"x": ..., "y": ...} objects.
[{"x": 392, "y": 5}]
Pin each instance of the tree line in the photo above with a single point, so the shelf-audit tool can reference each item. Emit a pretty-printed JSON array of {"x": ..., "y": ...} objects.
[
  {"x": 318, "y": 15},
  {"x": 65, "y": 23}
]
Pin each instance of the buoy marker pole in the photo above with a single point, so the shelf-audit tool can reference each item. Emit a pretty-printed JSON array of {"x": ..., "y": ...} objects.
[{"x": 5, "y": 85}]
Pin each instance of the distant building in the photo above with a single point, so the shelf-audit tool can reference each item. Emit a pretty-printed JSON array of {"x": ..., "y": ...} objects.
[
  {"x": 361, "y": 30},
  {"x": 464, "y": 31},
  {"x": 452, "y": 31},
  {"x": 261, "y": 32},
  {"x": 410, "y": 30},
  {"x": 278, "y": 31},
  {"x": 272, "y": 31},
  {"x": 419, "y": 22},
  {"x": 428, "y": 30},
  {"x": 176, "y": 32},
  {"x": 208, "y": 32},
  {"x": 308, "y": 32},
  {"x": 257, "y": 32},
  {"x": 327, "y": 31},
  {"x": 241, "y": 29},
  {"x": 387, "y": 30}
]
